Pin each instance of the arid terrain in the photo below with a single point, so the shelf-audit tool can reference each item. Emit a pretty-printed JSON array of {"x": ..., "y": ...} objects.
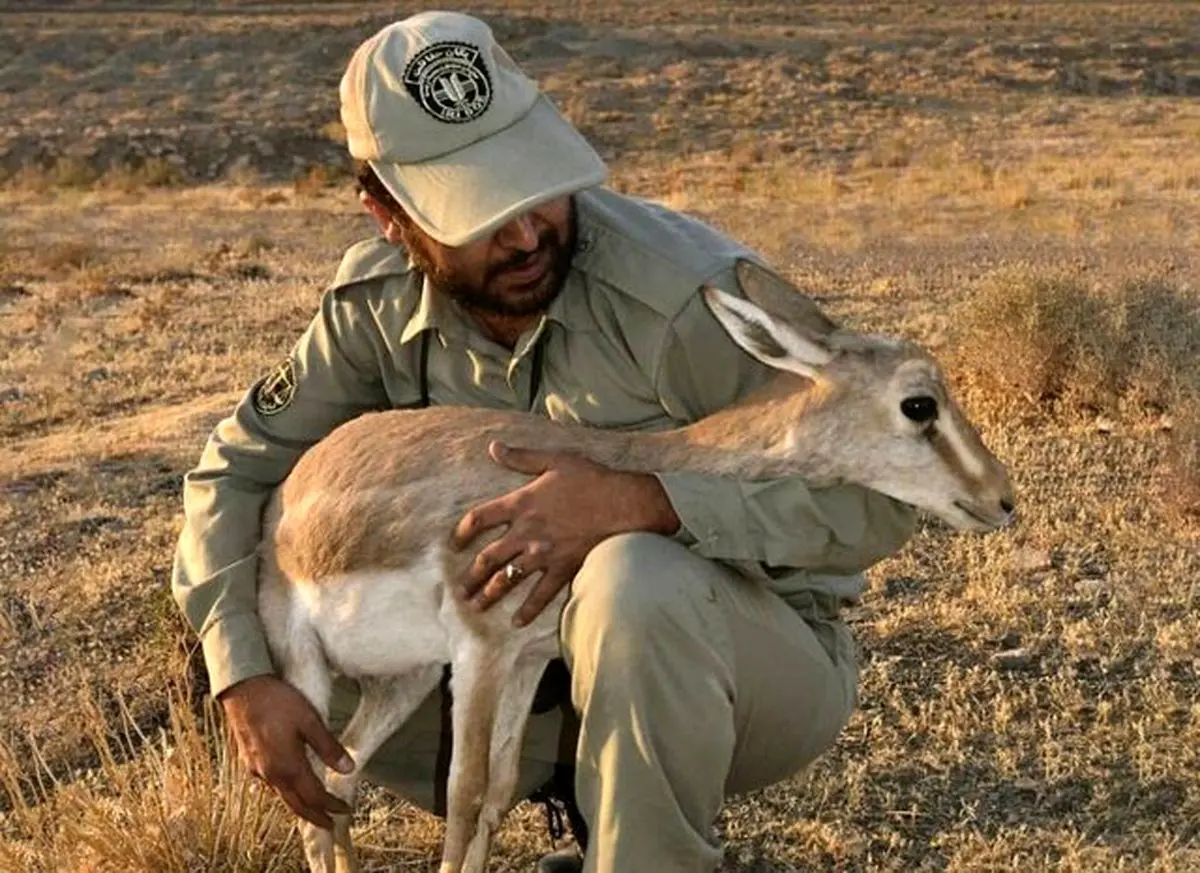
[{"x": 1014, "y": 184}]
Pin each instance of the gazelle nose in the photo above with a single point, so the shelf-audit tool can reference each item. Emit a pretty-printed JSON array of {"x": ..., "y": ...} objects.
[{"x": 1006, "y": 504}]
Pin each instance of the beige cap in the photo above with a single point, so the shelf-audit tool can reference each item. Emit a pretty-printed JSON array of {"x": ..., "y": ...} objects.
[{"x": 460, "y": 136}]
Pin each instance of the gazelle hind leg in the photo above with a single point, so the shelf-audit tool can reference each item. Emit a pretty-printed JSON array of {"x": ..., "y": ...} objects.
[
  {"x": 385, "y": 704},
  {"x": 477, "y": 675},
  {"x": 303, "y": 666},
  {"x": 512, "y": 713}
]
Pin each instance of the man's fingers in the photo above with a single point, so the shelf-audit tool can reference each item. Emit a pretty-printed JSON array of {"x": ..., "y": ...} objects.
[
  {"x": 326, "y": 745},
  {"x": 490, "y": 561},
  {"x": 529, "y": 461},
  {"x": 530, "y": 560},
  {"x": 311, "y": 791},
  {"x": 545, "y": 591},
  {"x": 310, "y": 814},
  {"x": 480, "y": 518},
  {"x": 496, "y": 587}
]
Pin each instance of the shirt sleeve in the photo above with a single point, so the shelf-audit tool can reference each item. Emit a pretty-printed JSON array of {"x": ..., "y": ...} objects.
[
  {"x": 837, "y": 530},
  {"x": 332, "y": 375}
]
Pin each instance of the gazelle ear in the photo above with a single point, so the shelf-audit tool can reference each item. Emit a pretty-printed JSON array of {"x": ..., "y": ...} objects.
[
  {"x": 769, "y": 340},
  {"x": 772, "y": 293}
]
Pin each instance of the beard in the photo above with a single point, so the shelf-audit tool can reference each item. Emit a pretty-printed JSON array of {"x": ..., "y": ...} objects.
[{"x": 491, "y": 296}]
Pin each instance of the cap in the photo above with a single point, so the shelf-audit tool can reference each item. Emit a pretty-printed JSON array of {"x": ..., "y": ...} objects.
[{"x": 461, "y": 137}]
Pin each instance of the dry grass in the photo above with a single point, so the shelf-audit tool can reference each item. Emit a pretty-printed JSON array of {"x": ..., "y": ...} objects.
[
  {"x": 84, "y": 175},
  {"x": 173, "y": 800},
  {"x": 1179, "y": 475},
  {"x": 1039, "y": 342},
  {"x": 1017, "y": 187}
]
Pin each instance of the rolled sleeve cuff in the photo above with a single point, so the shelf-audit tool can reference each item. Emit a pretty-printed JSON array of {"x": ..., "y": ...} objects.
[
  {"x": 235, "y": 649},
  {"x": 711, "y": 516}
]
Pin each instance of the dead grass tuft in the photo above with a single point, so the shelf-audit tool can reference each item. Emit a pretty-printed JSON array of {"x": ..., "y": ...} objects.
[
  {"x": 74, "y": 173},
  {"x": 1030, "y": 339},
  {"x": 1048, "y": 344},
  {"x": 151, "y": 173},
  {"x": 1013, "y": 192},
  {"x": 318, "y": 178},
  {"x": 70, "y": 254},
  {"x": 183, "y": 804},
  {"x": 333, "y": 131}
]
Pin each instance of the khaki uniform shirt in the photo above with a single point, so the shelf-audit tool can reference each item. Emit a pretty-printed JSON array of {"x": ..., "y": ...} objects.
[{"x": 628, "y": 344}]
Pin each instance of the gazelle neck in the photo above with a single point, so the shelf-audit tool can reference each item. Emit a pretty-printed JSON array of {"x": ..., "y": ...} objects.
[{"x": 773, "y": 432}]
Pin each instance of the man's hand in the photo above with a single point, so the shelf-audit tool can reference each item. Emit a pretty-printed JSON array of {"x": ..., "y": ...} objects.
[
  {"x": 554, "y": 521},
  {"x": 273, "y": 723}
]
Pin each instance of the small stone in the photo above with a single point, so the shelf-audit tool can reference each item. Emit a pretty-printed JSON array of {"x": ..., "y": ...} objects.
[
  {"x": 1012, "y": 659},
  {"x": 1104, "y": 425},
  {"x": 97, "y": 375},
  {"x": 1028, "y": 559},
  {"x": 11, "y": 395}
]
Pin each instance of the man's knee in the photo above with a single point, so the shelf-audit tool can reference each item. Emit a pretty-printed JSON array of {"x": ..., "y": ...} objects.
[{"x": 629, "y": 585}]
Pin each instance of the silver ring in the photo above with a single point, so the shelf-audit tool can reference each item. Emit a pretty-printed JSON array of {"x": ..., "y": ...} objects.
[{"x": 512, "y": 572}]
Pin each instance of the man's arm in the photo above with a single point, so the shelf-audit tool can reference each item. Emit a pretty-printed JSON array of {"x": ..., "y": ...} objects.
[
  {"x": 839, "y": 530},
  {"x": 332, "y": 375}
]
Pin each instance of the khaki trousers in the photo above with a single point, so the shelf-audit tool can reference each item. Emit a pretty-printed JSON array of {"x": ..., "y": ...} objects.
[{"x": 692, "y": 683}]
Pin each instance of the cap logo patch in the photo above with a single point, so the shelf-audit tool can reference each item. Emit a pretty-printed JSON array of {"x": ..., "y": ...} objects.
[
  {"x": 275, "y": 392},
  {"x": 450, "y": 82}
]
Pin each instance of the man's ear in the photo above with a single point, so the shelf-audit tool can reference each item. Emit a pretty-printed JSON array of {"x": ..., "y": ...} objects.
[{"x": 383, "y": 217}]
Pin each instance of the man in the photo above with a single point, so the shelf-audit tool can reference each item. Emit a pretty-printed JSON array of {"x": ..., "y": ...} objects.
[{"x": 702, "y": 636}]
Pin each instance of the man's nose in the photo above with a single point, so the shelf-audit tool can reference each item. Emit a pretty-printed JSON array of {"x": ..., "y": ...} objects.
[{"x": 520, "y": 234}]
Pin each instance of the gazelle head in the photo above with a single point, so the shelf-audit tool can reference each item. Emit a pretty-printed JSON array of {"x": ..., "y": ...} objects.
[{"x": 878, "y": 409}]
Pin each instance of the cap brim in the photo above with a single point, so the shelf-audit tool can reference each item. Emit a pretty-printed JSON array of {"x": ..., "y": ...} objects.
[{"x": 465, "y": 195}]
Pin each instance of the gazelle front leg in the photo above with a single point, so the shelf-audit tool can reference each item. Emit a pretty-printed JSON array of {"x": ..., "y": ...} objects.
[
  {"x": 384, "y": 706},
  {"x": 478, "y": 673},
  {"x": 504, "y": 757}
]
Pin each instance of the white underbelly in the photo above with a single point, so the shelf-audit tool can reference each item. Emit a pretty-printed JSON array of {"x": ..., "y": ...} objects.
[{"x": 391, "y": 622}]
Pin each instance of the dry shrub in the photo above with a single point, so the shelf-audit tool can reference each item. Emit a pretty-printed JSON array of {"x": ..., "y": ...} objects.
[
  {"x": 1029, "y": 340},
  {"x": 1161, "y": 328},
  {"x": 151, "y": 173},
  {"x": 184, "y": 804},
  {"x": 63, "y": 173},
  {"x": 318, "y": 178},
  {"x": 69, "y": 254},
  {"x": 1047, "y": 344},
  {"x": 333, "y": 131}
]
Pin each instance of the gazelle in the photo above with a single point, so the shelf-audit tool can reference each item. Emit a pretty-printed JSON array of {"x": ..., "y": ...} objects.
[{"x": 358, "y": 576}]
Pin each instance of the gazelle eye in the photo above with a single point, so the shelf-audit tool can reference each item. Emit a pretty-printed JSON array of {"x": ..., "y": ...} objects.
[{"x": 922, "y": 409}]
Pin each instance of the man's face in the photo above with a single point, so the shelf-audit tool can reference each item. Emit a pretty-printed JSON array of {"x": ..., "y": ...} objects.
[{"x": 517, "y": 271}]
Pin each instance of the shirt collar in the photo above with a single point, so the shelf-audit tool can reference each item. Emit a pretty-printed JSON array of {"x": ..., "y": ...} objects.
[{"x": 434, "y": 312}]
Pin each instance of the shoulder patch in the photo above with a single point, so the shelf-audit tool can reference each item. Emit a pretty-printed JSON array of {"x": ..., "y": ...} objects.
[{"x": 275, "y": 391}]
